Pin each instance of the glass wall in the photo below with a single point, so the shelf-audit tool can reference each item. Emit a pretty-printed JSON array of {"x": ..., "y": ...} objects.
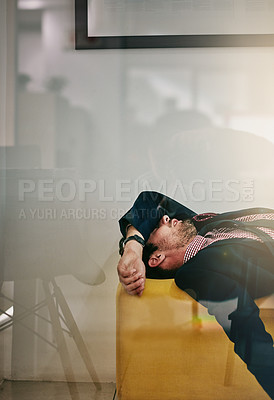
[{"x": 92, "y": 129}]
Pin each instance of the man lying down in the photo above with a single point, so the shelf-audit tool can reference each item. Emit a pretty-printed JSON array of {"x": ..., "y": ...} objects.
[{"x": 225, "y": 261}]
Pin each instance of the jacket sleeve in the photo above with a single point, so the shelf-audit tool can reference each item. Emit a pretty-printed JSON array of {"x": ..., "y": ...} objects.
[{"x": 148, "y": 209}]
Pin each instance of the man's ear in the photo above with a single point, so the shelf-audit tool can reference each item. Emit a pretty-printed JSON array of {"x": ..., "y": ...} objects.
[{"x": 156, "y": 259}]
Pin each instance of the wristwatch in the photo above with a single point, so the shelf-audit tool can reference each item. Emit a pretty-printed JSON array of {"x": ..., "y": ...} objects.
[{"x": 123, "y": 242}]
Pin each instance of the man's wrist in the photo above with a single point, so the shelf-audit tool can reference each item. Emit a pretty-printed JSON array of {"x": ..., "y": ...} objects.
[
  {"x": 134, "y": 242},
  {"x": 131, "y": 231},
  {"x": 134, "y": 246}
]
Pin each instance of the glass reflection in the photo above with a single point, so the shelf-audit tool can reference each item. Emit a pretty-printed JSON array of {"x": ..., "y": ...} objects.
[{"x": 92, "y": 130}]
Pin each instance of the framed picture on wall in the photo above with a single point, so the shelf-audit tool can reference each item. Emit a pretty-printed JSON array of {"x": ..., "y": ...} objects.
[{"x": 114, "y": 24}]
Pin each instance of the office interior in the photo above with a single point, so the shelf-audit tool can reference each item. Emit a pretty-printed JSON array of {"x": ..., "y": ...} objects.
[{"x": 82, "y": 133}]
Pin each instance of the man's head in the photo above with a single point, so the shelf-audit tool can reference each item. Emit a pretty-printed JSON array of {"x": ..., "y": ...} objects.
[{"x": 166, "y": 245}]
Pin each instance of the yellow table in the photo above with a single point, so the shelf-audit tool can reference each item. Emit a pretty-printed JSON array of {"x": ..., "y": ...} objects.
[{"x": 169, "y": 348}]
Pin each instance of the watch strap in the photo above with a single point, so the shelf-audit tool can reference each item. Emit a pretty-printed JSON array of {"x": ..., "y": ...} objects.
[{"x": 124, "y": 241}]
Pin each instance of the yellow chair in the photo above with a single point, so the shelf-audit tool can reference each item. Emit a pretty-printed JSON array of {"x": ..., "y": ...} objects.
[{"x": 169, "y": 347}]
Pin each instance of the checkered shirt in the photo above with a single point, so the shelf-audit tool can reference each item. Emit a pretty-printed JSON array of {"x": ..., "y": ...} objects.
[{"x": 200, "y": 242}]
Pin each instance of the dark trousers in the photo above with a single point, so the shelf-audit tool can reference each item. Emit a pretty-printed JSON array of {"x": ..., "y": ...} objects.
[{"x": 240, "y": 318}]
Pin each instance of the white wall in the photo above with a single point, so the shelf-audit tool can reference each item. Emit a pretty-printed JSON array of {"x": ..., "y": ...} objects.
[{"x": 194, "y": 123}]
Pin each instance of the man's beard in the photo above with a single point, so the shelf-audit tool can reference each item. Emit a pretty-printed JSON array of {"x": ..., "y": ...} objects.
[{"x": 185, "y": 233}]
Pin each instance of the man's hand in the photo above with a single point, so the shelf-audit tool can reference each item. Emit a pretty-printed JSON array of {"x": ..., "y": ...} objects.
[{"x": 131, "y": 269}]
